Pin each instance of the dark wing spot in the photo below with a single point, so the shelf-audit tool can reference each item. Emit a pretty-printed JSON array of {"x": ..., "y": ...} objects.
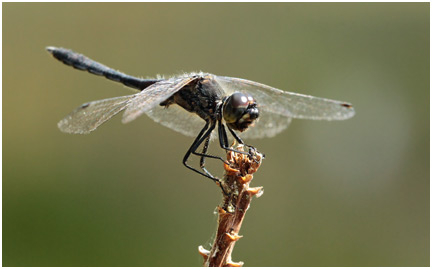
[
  {"x": 347, "y": 105},
  {"x": 85, "y": 105}
]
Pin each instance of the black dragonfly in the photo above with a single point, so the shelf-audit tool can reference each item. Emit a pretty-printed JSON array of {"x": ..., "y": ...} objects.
[{"x": 183, "y": 103}]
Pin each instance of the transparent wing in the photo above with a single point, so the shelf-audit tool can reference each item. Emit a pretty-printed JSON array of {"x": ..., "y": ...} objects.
[
  {"x": 268, "y": 125},
  {"x": 177, "y": 119},
  {"x": 277, "y": 106},
  {"x": 287, "y": 103},
  {"x": 190, "y": 124},
  {"x": 153, "y": 95},
  {"x": 89, "y": 116}
]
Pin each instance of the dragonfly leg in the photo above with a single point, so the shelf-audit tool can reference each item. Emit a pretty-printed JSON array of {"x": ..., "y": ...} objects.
[
  {"x": 204, "y": 134},
  {"x": 205, "y": 149},
  {"x": 224, "y": 145},
  {"x": 203, "y": 156},
  {"x": 223, "y": 139}
]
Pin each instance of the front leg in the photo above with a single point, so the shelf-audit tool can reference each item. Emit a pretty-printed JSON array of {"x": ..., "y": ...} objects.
[
  {"x": 223, "y": 140},
  {"x": 239, "y": 140}
]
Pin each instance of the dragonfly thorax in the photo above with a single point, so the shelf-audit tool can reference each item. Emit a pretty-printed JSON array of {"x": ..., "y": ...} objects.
[{"x": 201, "y": 96}]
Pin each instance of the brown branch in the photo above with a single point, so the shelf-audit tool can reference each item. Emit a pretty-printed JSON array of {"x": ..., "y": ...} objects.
[{"x": 232, "y": 211}]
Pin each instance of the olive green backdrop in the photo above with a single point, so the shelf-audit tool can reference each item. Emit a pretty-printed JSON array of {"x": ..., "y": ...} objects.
[{"x": 349, "y": 193}]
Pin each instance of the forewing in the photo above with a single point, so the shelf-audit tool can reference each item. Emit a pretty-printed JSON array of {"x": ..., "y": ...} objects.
[
  {"x": 277, "y": 106},
  {"x": 287, "y": 103},
  {"x": 89, "y": 116},
  {"x": 153, "y": 95}
]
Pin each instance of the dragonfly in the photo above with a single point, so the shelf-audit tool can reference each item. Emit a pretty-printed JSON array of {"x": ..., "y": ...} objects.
[{"x": 195, "y": 104}]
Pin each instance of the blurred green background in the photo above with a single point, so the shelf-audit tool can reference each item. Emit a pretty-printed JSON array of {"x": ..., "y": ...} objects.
[{"x": 350, "y": 193}]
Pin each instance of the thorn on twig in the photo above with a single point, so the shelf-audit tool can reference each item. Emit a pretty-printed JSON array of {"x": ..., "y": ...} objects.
[
  {"x": 233, "y": 237},
  {"x": 234, "y": 264},
  {"x": 204, "y": 252}
]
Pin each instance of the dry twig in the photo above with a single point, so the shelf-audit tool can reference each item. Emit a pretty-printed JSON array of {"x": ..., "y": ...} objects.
[{"x": 238, "y": 175}]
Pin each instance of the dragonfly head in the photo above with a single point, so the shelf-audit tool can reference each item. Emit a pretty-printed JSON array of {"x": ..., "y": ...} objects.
[{"x": 240, "y": 111}]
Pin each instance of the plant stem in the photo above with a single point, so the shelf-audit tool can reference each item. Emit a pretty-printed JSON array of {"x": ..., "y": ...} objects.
[{"x": 233, "y": 208}]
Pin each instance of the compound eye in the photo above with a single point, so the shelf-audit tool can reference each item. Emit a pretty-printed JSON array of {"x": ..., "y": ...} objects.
[
  {"x": 251, "y": 100},
  {"x": 235, "y": 106},
  {"x": 239, "y": 100}
]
